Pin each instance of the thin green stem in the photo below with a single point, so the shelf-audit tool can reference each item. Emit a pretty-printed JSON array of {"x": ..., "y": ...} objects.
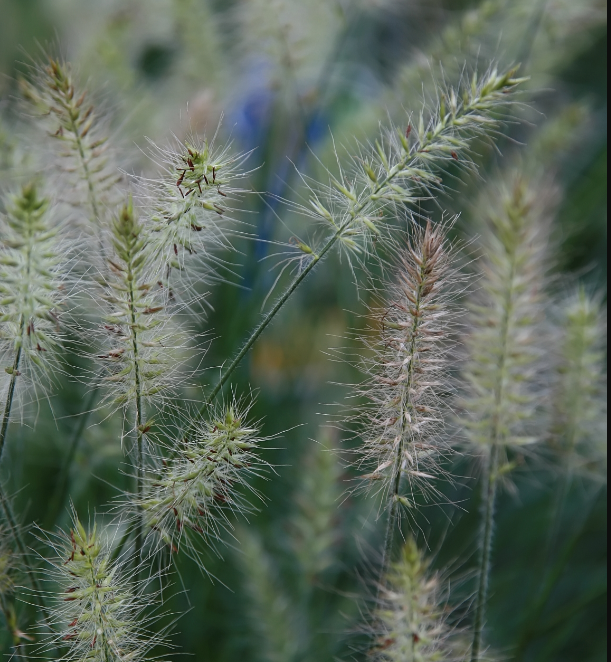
[
  {"x": 64, "y": 478},
  {"x": 10, "y": 395},
  {"x": 269, "y": 317},
  {"x": 393, "y": 514},
  {"x": 10, "y": 519},
  {"x": 489, "y": 502},
  {"x": 262, "y": 326},
  {"x": 139, "y": 463}
]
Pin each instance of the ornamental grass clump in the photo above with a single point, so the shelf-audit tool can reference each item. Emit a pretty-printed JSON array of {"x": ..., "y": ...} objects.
[
  {"x": 189, "y": 482},
  {"x": 410, "y": 622},
  {"x": 96, "y": 605},
  {"x": 504, "y": 373},
  {"x": 403, "y": 437}
]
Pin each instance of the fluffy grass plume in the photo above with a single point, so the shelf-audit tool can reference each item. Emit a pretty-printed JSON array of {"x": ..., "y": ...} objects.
[
  {"x": 503, "y": 373},
  {"x": 32, "y": 292},
  {"x": 580, "y": 403},
  {"x": 314, "y": 526},
  {"x": 96, "y": 606},
  {"x": 273, "y": 618},
  {"x": 406, "y": 375},
  {"x": 190, "y": 203},
  {"x": 193, "y": 493},
  {"x": 410, "y": 622},
  {"x": 402, "y": 168},
  {"x": 142, "y": 343},
  {"x": 503, "y": 370},
  {"x": 64, "y": 108}
]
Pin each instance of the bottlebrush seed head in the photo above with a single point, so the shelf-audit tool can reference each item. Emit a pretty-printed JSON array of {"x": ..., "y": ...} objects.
[
  {"x": 403, "y": 167},
  {"x": 406, "y": 376},
  {"x": 579, "y": 426},
  {"x": 32, "y": 285},
  {"x": 504, "y": 387},
  {"x": 190, "y": 204},
  {"x": 142, "y": 345},
  {"x": 72, "y": 120},
  {"x": 410, "y": 622},
  {"x": 191, "y": 493},
  {"x": 97, "y": 610}
]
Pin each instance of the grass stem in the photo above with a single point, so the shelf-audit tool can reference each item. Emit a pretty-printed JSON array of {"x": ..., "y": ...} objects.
[
  {"x": 64, "y": 478},
  {"x": 9, "y": 398},
  {"x": 489, "y": 503}
]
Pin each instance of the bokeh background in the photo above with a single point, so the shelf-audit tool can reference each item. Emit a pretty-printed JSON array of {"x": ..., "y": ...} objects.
[{"x": 285, "y": 75}]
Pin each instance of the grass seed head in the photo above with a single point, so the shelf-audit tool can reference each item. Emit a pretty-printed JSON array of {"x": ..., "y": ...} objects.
[
  {"x": 191, "y": 495},
  {"x": 410, "y": 621},
  {"x": 504, "y": 368},
  {"x": 33, "y": 286},
  {"x": 406, "y": 377},
  {"x": 97, "y": 606},
  {"x": 579, "y": 393}
]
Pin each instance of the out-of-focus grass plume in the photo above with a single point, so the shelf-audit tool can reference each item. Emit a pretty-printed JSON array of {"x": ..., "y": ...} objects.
[{"x": 579, "y": 399}]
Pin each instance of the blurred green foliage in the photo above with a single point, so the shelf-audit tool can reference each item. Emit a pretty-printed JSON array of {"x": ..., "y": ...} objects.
[{"x": 284, "y": 81}]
